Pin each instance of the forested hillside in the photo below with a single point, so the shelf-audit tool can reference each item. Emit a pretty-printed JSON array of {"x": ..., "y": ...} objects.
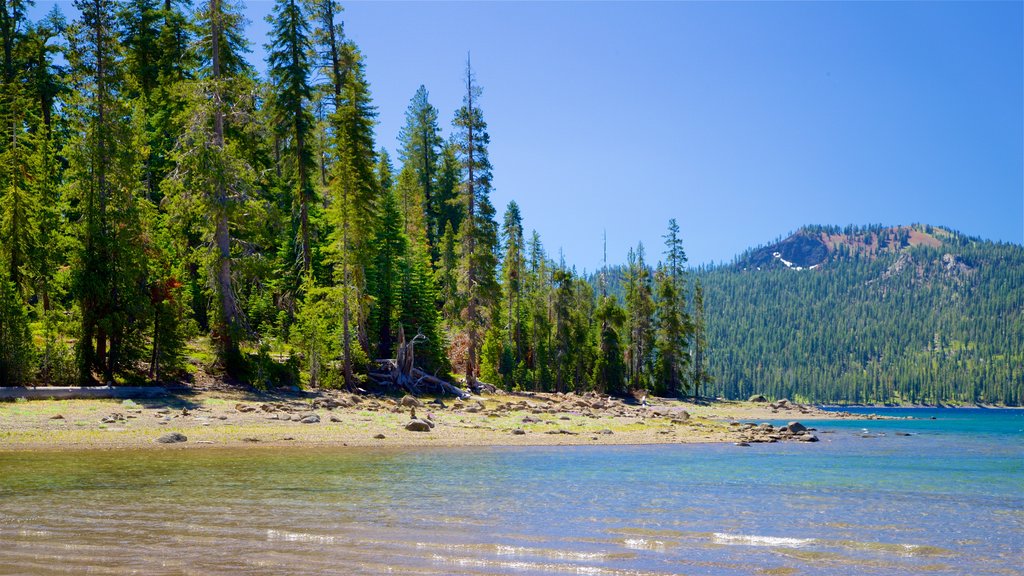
[
  {"x": 911, "y": 314},
  {"x": 168, "y": 213}
]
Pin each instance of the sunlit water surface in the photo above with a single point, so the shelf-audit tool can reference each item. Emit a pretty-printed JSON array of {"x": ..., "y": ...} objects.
[{"x": 948, "y": 499}]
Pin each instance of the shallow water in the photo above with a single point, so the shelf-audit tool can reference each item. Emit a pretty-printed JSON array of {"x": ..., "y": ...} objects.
[{"x": 949, "y": 499}]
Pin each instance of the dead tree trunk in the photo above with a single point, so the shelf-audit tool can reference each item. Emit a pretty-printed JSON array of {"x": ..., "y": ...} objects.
[{"x": 402, "y": 372}]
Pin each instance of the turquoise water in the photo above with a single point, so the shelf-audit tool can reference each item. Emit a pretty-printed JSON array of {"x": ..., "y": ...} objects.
[{"x": 948, "y": 499}]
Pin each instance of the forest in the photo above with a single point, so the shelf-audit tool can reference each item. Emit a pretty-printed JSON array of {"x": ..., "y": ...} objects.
[
  {"x": 881, "y": 321},
  {"x": 166, "y": 211},
  {"x": 168, "y": 214}
]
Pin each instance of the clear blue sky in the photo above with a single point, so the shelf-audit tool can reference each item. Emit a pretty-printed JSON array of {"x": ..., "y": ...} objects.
[{"x": 741, "y": 120}]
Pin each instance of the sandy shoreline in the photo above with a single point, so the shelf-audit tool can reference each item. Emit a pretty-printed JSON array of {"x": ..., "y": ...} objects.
[{"x": 228, "y": 418}]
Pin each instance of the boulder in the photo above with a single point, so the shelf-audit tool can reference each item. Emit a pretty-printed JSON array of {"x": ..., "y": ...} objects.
[
  {"x": 172, "y": 438},
  {"x": 418, "y": 426},
  {"x": 808, "y": 437},
  {"x": 519, "y": 432},
  {"x": 757, "y": 398},
  {"x": 310, "y": 419},
  {"x": 380, "y": 436},
  {"x": 411, "y": 401},
  {"x": 796, "y": 427},
  {"x": 244, "y": 407}
]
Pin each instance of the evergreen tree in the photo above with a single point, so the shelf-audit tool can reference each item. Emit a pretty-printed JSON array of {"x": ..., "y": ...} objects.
[
  {"x": 639, "y": 320},
  {"x": 539, "y": 295},
  {"x": 12, "y": 27},
  {"x": 671, "y": 334},
  {"x": 447, "y": 279},
  {"x": 289, "y": 70},
  {"x": 104, "y": 166},
  {"x": 447, "y": 203},
  {"x": 513, "y": 271},
  {"x": 19, "y": 202},
  {"x": 210, "y": 163},
  {"x": 701, "y": 378},
  {"x": 139, "y": 26},
  {"x": 385, "y": 275},
  {"x": 609, "y": 369},
  {"x": 674, "y": 327},
  {"x": 353, "y": 188},
  {"x": 478, "y": 233},
  {"x": 16, "y": 352},
  {"x": 420, "y": 153}
]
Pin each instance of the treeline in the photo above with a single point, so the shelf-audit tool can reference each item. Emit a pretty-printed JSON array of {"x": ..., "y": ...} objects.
[
  {"x": 915, "y": 324},
  {"x": 156, "y": 191}
]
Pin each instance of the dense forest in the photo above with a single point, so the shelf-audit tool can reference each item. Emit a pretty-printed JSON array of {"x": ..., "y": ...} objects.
[
  {"x": 913, "y": 314},
  {"x": 169, "y": 214},
  {"x": 166, "y": 211}
]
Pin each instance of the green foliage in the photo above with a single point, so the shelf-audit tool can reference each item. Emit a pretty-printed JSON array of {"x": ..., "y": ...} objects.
[
  {"x": 640, "y": 351},
  {"x": 609, "y": 367},
  {"x": 17, "y": 355},
  {"x": 319, "y": 332}
]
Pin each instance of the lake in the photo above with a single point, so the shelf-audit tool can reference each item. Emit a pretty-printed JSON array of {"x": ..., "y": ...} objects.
[{"x": 867, "y": 499}]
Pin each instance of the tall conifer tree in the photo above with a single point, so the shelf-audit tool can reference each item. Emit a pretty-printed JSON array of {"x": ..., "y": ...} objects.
[
  {"x": 289, "y": 70},
  {"x": 420, "y": 153},
  {"x": 478, "y": 233}
]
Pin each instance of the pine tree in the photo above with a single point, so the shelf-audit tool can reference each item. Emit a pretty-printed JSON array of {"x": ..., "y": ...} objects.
[
  {"x": 105, "y": 176},
  {"x": 701, "y": 378},
  {"x": 448, "y": 205},
  {"x": 609, "y": 369},
  {"x": 447, "y": 276},
  {"x": 513, "y": 271},
  {"x": 420, "y": 153},
  {"x": 12, "y": 27},
  {"x": 539, "y": 297},
  {"x": 289, "y": 70},
  {"x": 478, "y": 233},
  {"x": 639, "y": 321},
  {"x": 139, "y": 30},
  {"x": 674, "y": 327},
  {"x": 16, "y": 352},
  {"x": 353, "y": 211},
  {"x": 208, "y": 161},
  {"x": 671, "y": 330},
  {"x": 564, "y": 351},
  {"x": 385, "y": 275},
  {"x": 19, "y": 203}
]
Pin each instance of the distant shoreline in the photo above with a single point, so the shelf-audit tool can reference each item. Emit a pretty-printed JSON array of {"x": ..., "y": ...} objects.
[{"x": 918, "y": 406}]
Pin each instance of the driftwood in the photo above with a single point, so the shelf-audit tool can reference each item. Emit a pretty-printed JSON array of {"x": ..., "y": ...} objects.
[{"x": 401, "y": 372}]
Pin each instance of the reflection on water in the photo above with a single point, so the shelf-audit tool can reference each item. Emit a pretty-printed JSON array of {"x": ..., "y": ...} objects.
[{"x": 937, "y": 503}]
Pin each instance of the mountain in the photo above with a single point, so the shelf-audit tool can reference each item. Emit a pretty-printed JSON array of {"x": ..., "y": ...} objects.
[
  {"x": 815, "y": 246},
  {"x": 917, "y": 314}
]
